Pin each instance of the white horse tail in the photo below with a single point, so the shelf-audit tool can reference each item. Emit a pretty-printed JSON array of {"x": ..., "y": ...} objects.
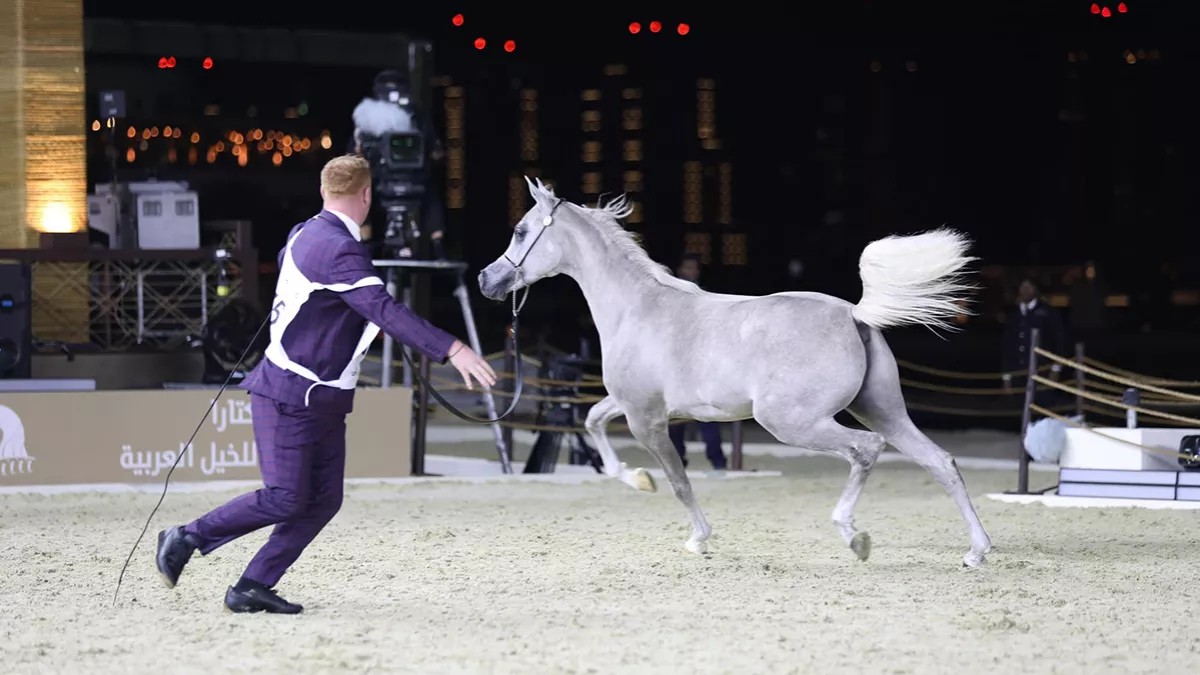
[{"x": 917, "y": 279}]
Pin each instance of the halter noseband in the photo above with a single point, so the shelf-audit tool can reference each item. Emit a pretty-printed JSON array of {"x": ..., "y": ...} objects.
[{"x": 518, "y": 267}]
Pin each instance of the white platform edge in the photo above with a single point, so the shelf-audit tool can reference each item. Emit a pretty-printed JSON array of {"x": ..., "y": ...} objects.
[{"x": 1055, "y": 501}]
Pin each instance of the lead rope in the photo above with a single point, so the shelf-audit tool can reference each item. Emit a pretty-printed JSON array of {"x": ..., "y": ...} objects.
[
  {"x": 519, "y": 380},
  {"x": 167, "y": 481},
  {"x": 516, "y": 312}
]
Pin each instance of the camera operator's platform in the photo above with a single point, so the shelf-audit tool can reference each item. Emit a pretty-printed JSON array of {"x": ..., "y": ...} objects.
[{"x": 1105, "y": 467}]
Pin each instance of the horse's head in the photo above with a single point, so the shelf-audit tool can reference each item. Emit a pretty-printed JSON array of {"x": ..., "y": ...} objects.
[{"x": 535, "y": 251}]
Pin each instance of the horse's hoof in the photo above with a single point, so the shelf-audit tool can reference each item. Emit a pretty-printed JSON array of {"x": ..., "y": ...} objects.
[
  {"x": 973, "y": 559},
  {"x": 697, "y": 546},
  {"x": 642, "y": 480},
  {"x": 861, "y": 545}
]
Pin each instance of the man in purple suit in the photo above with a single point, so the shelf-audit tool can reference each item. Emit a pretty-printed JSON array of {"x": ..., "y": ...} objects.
[{"x": 329, "y": 307}]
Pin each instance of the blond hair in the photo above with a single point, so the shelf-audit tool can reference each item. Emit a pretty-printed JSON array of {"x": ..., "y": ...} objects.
[{"x": 345, "y": 176}]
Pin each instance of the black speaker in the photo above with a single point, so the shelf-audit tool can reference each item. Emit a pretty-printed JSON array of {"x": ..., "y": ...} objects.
[
  {"x": 1190, "y": 446},
  {"x": 16, "y": 321}
]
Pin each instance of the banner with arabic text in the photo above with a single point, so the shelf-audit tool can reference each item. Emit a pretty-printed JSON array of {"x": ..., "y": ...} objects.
[{"x": 92, "y": 437}]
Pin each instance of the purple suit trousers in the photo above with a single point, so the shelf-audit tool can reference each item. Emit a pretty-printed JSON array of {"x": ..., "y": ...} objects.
[{"x": 302, "y": 456}]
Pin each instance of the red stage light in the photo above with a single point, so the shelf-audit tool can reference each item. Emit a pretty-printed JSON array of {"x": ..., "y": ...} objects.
[
  {"x": 655, "y": 26},
  {"x": 457, "y": 20},
  {"x": 480, "y": 43},
  {"x": 1122, "y": 8},
  {"x": 170, "y": 61},
  {"x": 1105, "y": 12},
  {"x": 684, "y": 29},
  {"x": 510, "y": 46},
  {"x": 162, "y": 62},
  {"x": 1095, "y": 8},
  {"x": 635, "y": 28},
  {"x": 208, "y": 63}
]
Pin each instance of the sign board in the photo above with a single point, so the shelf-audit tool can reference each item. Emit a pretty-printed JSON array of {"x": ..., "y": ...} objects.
[{"x": 75, "y": 438}]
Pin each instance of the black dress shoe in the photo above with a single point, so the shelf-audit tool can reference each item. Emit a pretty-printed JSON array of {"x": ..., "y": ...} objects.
[
  {"x": 254, "y": 600},
  {"x": 175, "y": 548}
]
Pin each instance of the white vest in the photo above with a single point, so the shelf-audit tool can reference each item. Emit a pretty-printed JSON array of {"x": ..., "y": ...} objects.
[{"x": 291, "y": 292}]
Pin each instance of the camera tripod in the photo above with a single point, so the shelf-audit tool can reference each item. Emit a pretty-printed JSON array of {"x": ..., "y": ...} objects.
[{"x": 547, "y": 447}]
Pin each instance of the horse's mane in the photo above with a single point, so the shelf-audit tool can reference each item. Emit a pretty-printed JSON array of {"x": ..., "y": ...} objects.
[{"x": 607, "y": 219}]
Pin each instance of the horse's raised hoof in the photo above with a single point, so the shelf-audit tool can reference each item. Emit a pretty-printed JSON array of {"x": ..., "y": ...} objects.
[
  {"x": 861, "y": 545},
  {"x": 973, "y": 559},
  {"x": 697, "y": 546},
  {"x": 640, "y": 479}
]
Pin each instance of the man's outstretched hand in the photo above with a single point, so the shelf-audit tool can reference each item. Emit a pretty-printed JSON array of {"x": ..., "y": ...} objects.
[{"x": 471, "y": 366}]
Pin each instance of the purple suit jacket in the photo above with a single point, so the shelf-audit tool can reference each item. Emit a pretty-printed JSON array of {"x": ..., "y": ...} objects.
[{"x": 324, "y": 334}]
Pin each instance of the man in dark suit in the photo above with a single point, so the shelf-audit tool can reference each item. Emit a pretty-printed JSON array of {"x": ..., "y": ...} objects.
[
  {"x": 329, "y": 307},
  {"x": 689, "y": 268},
  {"x": 1031, "y": 313}
]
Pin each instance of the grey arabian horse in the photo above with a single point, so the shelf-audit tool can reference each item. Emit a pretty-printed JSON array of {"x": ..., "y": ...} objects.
[{"x": 791, "y": 361}]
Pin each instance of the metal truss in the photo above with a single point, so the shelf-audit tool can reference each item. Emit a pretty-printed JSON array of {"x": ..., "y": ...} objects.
[{"x": 156, "y": 303}]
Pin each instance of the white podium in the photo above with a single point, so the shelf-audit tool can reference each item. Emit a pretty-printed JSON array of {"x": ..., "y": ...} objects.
[{"x": 1095, "y": 466}]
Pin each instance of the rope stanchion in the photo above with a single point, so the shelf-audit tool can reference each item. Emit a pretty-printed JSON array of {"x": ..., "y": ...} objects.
[
  {"x": 570, "y": 430},
  {"x": 1103, "y": 412},
  {"x": 1121, "y": 380},
  {"x": 1080, "y": 380},
  {"x": 449, "y": 385},
  {"x": 959, "y": 375},
  {"x": 1105, "y": 386},
  {"x": 1140, "y": 378},
  {"x": 1190, "y": 421},
  {"x": 507, "y": 375},
  {"x": 1026, "y": 412},
  {"x": 970, "y": 391}
]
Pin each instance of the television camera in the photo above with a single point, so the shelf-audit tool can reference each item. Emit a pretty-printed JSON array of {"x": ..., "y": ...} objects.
[{"x": 388, "y": 134}]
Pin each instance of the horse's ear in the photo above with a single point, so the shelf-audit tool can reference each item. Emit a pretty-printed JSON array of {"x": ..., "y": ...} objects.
[
  {"x": 533, "y": 190},
  {"x": 537, "y": 191}
]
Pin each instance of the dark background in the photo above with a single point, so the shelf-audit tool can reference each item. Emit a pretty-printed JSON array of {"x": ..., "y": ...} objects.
[{"x": 1022, "y": 124}]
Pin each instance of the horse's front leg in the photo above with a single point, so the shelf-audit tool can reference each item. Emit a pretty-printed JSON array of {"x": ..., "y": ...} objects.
[
  {"x": 652, "y": 433},
  {"x": 597, "y": 420}
]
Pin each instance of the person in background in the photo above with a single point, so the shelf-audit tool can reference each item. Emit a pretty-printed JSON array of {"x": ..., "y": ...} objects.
[
  {"x": 1031, "y": 313},
  {"x": 689, "y": 269}
]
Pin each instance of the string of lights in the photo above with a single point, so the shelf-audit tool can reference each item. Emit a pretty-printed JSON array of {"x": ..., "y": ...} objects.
[{"x": 273, "y": 145}]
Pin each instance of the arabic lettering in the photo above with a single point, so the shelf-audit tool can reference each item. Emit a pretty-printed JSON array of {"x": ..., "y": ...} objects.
[
  {"x": 228, "y": 457},
  {"x": 232, "y": 412},
  {"x": 219, "y": 459},
  {"x": 148, "y": 463}
]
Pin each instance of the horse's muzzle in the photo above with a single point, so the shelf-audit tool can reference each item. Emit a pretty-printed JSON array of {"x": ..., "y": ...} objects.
[{"x": 494, "y": 283}]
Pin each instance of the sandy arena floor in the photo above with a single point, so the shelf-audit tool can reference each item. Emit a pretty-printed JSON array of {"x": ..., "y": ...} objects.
[{"x": 592, "y": 578}]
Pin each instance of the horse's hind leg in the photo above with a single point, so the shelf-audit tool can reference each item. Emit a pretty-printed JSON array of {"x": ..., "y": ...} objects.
[
  {"x": 653, "y": 434},
  {"x": 880, "y": 407},
  {"x": 605, "y": 410},
  {"x": 860, "y": 448}
]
